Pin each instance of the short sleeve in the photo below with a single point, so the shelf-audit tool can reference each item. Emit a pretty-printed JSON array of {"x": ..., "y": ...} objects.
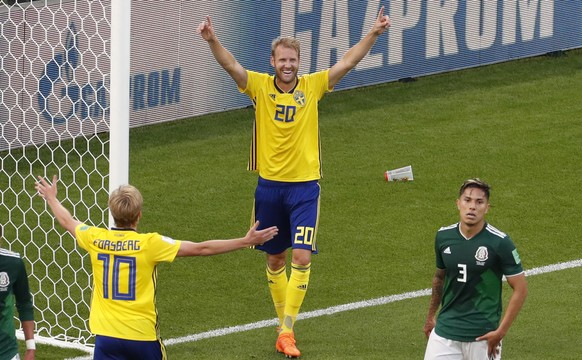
[
  {"x": 254, "y": 83},
  {"x": 438, "y": 256},
  {"x": 510, "y": 260},
  {"x": 83, "y": 235},
  {"x": 319, "y": 82},
  {"x": 163, "y": 248}
]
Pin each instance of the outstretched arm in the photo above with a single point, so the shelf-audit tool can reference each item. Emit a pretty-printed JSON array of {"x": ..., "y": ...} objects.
[
  {"x": 221, "y": 54},
  {"x": 519, "y": 286},
  {"x": 214, "y": 247},
  {"x": 48, "y": 191},
  {"x": 357, "y": 52},
  {"x": 435, "y": 300}
]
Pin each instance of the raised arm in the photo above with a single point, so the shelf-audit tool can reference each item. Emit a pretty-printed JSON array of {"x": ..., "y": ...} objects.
[
  {"x": 357, "y": 52},
  {"x": 214, "y": 247},
  {"x": 48, "y": 191},
  {"x": 435, "y": 300},
  {"x": 221, "y": 54}
]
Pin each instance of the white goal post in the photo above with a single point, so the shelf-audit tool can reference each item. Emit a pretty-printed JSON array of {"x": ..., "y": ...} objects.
[{"x": 63, "y": 76}]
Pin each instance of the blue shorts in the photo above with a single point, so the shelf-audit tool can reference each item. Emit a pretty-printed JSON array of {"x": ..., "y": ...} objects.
[
  {"x": 293, "y": 208},
  {"x": 110, "y": 348}
]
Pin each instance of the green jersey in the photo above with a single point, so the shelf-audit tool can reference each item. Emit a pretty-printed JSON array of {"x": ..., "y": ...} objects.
[
  {"x": 13, "y": 290},
  {"x": 471, "y": 304}
]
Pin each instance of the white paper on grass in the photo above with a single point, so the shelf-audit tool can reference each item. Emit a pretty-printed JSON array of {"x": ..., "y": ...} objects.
[{"x": 400, "y": 174}]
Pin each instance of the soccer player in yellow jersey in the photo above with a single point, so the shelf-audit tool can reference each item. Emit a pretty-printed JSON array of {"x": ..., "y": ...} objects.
[
  {"x": 285, "y": 150},
  {"x": 123, "y": 312}
]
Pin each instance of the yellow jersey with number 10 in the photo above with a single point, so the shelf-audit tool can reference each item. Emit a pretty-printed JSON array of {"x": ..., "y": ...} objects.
[
  {"x": 286, "y": 144},
  {"x": 124, "y": 280}
]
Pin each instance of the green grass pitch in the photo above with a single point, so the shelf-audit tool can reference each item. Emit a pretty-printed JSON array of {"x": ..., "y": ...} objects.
[{"x": 517, "y": 125}]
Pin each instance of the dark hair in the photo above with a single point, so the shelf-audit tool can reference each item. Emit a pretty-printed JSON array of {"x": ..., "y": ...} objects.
[{"x": 475, "y": 183}]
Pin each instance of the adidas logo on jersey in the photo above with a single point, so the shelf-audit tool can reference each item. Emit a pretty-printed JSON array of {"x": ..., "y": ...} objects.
[{"x": 447, "y": 250}]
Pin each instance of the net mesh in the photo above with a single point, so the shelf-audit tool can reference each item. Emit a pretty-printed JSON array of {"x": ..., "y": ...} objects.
[{"x": 54, "y": 121}]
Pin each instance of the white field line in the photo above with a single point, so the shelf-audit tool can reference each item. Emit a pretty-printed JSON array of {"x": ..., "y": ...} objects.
[
  {"x": 337, "y": 309},
  {"x": 347, "y": 307}
]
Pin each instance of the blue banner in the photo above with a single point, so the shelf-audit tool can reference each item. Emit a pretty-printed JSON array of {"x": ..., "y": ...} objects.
[
  {"x": 426, "y": 36},
  {"x": 174, "y": 75}
]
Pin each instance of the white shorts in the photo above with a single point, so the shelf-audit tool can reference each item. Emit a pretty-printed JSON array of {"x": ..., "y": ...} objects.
[{"x": 439, "y": 348}]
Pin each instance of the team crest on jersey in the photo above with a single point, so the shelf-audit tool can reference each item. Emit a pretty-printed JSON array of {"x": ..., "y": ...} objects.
[
  {"x": 482, "y": 255},
  {"x": 299, "y": 97},
  {"x": 4, "y": 281}
]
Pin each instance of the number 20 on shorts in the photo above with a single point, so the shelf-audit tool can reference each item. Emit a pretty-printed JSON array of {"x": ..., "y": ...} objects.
[{"x": 304, "y": 235}]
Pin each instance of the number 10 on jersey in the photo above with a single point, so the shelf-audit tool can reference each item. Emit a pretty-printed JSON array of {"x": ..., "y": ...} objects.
[{"x": 123, "y": 274}]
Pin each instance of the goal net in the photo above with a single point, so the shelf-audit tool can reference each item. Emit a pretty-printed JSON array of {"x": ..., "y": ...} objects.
[{"x": 54, "y": 88}]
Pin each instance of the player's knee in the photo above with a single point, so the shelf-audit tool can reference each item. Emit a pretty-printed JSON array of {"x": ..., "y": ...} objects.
[
  {"x": 276, "y": 262},
  {"x": 301, "y": 257}
]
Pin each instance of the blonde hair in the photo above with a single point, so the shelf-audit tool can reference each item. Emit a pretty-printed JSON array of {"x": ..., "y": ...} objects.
[
  {"x": 125, "y": 204},
  {"x": 285, "y": 41}
]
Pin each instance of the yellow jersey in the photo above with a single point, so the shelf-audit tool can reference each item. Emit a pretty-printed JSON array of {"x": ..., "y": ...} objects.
[
  {"x": 285, "y": 145},
  {"x": 124, "y": 280}
]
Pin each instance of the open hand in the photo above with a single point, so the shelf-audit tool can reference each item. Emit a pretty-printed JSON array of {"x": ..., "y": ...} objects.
[
  {"x": 259, "y": 237},
  {"x": 45, "y": 189}
]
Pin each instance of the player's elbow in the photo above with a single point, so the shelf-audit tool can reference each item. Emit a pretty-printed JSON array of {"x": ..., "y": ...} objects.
[
  {"x": 520, "y": 289},
  {"x": 189, "y": 248}
]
